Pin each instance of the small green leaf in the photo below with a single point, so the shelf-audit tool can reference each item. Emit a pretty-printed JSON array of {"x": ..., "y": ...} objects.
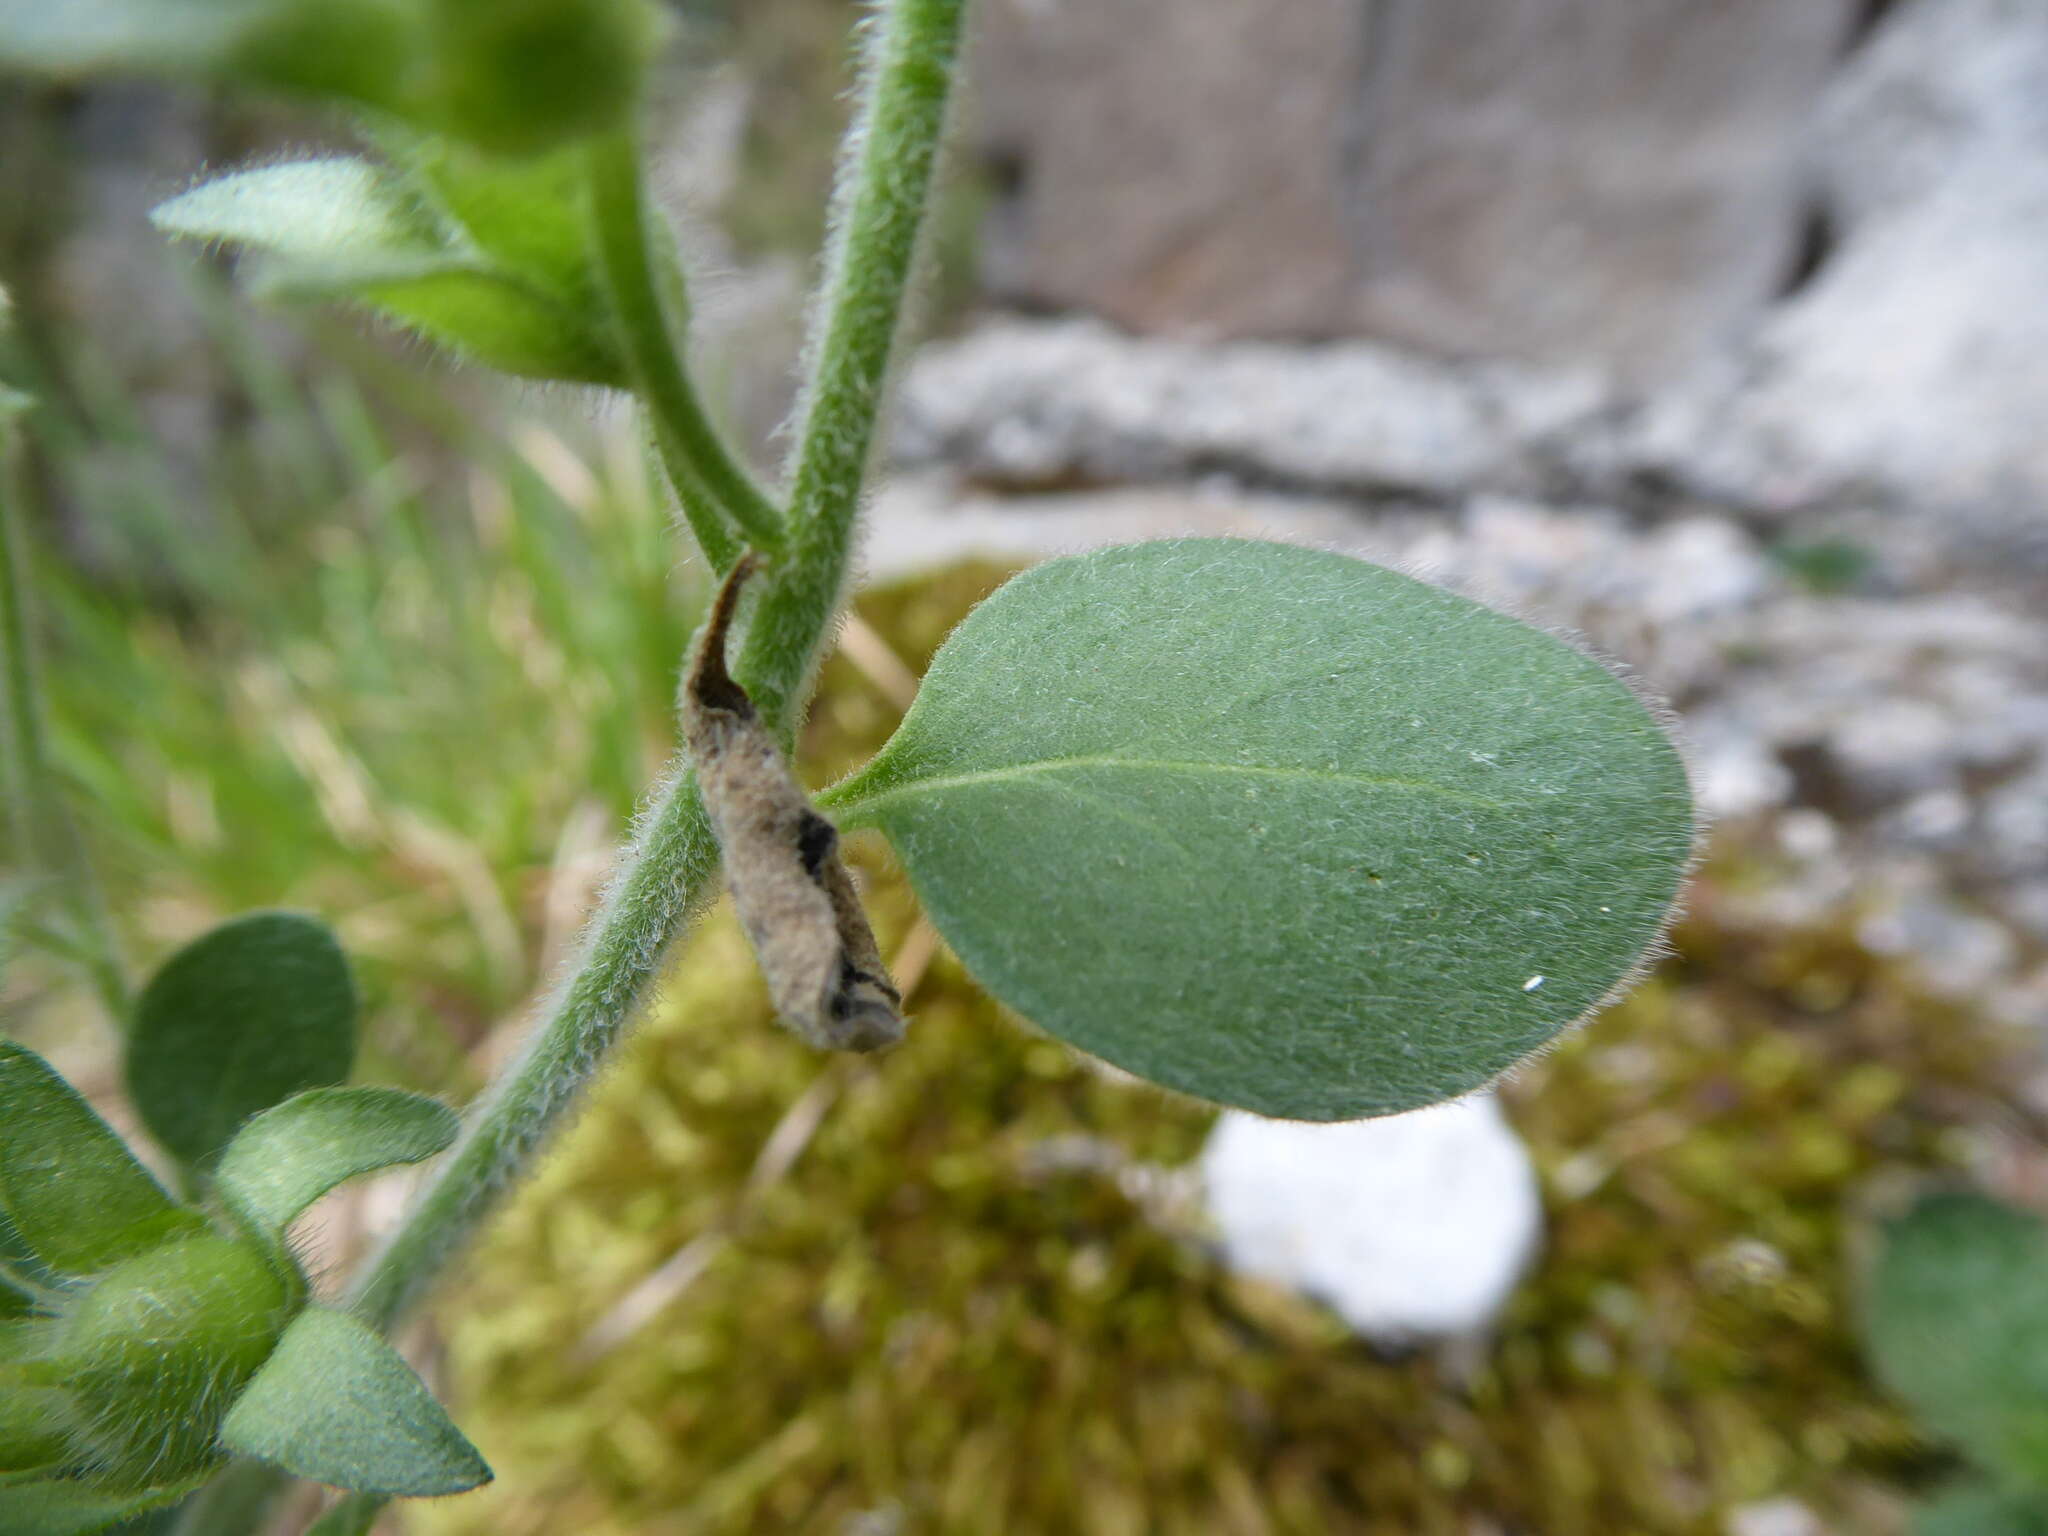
[
  {"x": 1978, "y": 1509},
  {"x": 1956, "y": 1314},
  {"x": 338, "y": 210},
  {"x": 73, "y": 1192},
  {"x": 236, "y": 1021},
  {"x": 59, "y": 1507},
  {"x": 354, "y": 49},
  {"x": 1280, "y": 828},
  {"x": 292, "y": 1154},
  {"x": 345, "y": 229},
  {"x": 337, "y": 1404}
]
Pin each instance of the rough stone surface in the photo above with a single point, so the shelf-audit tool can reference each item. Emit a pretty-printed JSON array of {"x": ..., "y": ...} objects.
[
  {"x": 1138, "y": 185},
  {"x": 1611, "y": 180},
  {"x": 1412, "y": 1227},
  {"x": 1025, "y": 403},
  {"x": 1915, "y": 365},
  {"x": 1615, "y": 181}
]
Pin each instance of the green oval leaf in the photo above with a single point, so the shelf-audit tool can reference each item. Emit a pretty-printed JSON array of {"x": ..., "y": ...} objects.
[
  {"x": 1279, "y": 828},
  {"x": 238, "y": 1020},
  {"x": 337, "y": 1404},
  {"x": 1956, "y": 1312},
  {"x": 292, "y": 1154},
  {"x": 73, "y": 1193}
]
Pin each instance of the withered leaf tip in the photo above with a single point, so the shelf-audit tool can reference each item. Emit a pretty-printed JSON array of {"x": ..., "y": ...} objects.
[{"x": 793, "y": 893}]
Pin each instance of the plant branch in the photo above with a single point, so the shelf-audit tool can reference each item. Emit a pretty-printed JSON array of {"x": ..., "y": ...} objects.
[
  {"x": 709, "y": 483},
  {"x": 45, "y": 839},
  {"x": 885, "y": 182},
  {"x": 669, "y": 868},
  {"x": 664, "y": 876}
]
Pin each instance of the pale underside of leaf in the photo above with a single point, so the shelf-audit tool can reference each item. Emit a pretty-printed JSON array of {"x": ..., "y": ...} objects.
[{"x": 1280, "y": 828}]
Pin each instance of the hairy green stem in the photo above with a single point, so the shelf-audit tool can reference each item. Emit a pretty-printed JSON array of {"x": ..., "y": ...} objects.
[
  {"x": 668, "y": 871},
  {"x": 45, "y": 839},
  {"x": 670, "y": 865},
  {"x": 878, "y": 215},
  {"x": 664, "y": 877},
  {"x": 709, "y": 483}
]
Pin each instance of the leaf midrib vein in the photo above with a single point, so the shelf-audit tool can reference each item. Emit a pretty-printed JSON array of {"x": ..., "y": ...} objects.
[{"x": 1159, "y": 765}]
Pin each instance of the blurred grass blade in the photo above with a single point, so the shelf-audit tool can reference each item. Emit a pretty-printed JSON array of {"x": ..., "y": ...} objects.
[{"x": 353, "y": 1516}]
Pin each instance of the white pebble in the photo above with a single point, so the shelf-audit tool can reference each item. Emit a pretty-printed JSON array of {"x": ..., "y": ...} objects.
[{"x": 1414, "y": 1226}]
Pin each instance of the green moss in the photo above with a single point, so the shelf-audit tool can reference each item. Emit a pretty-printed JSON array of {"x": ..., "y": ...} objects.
[{"x": 920, "y": 1318}]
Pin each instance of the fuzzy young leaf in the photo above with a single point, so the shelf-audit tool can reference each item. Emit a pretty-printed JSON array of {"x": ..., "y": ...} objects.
[
  {"x": 292, "y": 1154},
  {"x": 157, "y": 1348},
  {"x": 337, "y": 1404},
  {"x": 73, "y": 1192},
  {"x": 348, "y": 230},
  {"x": 236, "y": 1021},
  {"x": 59, "y": 1507},
  {"x": 517, "y": 77},
  {"x": 1277, "y": 827},
  {"x": 1978, "y": 1509},
  {"x": 1957, "y": 1319}
]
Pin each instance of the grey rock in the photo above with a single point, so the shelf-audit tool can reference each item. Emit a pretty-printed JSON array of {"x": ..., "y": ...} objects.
[
  {"x": 1603, "y": 181},
  {"x": 1593, "y": 180},
  {"x": 1030, "y": 403},
  {"x": 1955, "y": 950},
  {"x": 1140, "y": 188},
  {"x": 2016, "y": 823},
  {"x": 1914, "y": 367}
]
